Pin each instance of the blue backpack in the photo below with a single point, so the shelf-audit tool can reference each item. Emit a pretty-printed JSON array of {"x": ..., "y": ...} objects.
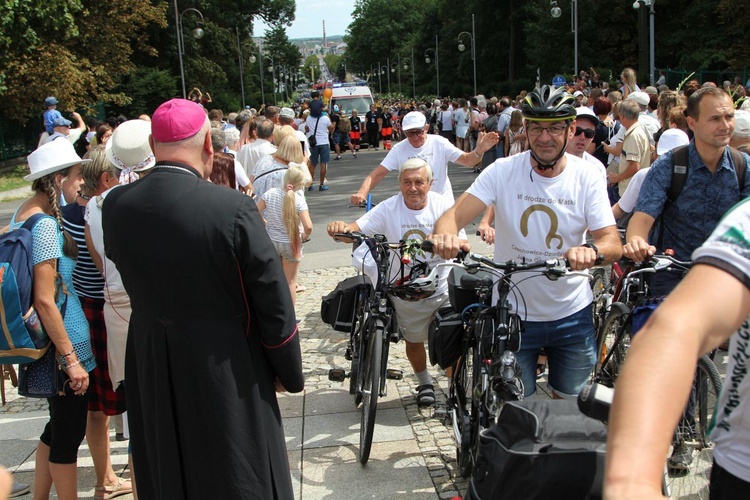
[{"x": 23, "y": 338}]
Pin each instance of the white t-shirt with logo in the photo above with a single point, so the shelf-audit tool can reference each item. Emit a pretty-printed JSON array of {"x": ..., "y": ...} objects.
[
  {"x": 728, "y": 248},
  {"x": 396, "y": 221},
  {"x": 437, "y": 151},
  {"x": 539, "y": 218}
]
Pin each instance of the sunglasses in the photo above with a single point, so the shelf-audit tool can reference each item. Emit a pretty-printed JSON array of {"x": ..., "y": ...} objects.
[
  {"x": 588, "y": 133},
  {"x": 412, "y": 133}
]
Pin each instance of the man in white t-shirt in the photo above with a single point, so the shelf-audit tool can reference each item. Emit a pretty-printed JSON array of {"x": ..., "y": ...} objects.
[
  {"x": 586, "y": 123},
  {"x": 411, "y": 214},
  {"x": 435, "y": 150},
  {"x": 250, "y": 153},
  {"x": 709, "y": 306},
  {"x": 320, "y": 154},
  {"x": 545, "y": 202}
]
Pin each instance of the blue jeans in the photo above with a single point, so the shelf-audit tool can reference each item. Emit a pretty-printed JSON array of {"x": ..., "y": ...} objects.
[{"x": 571, "y": 352}]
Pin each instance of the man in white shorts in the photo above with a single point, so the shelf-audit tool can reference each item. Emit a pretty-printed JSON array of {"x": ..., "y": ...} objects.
[{"x": 411, "y": 214}]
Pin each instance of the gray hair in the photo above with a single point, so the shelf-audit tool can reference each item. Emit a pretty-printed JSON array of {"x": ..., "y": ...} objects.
[
  {"x": 217, "y": 139},
  {"x": 629, "y": 109},
  {"x": 265, "y": 129},
  {"x": 231, "y": 135},
  {"x": 415, "y": 164}
]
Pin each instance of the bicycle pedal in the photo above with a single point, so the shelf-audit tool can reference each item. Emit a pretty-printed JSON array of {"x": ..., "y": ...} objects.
[
  {"x": 441, "y": 413},
  {"x": 393, "y": 374},
  {"x": 337, "y": 374}
]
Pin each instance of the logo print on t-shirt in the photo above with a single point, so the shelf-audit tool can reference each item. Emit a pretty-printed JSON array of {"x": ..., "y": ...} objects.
[
  {"x": 552, "y": 234},
  {"x": 413, "y": 232}
]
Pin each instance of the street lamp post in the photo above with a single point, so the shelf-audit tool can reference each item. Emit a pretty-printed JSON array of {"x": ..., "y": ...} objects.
[
  {"x": 651, "y": 54},
  {"x": 380, "y": 83},
  {"x": 386, "y": 70},
  {"x": 407, "y": 61},
  {"x": 197, "y": 33},
  {"x": 437, "y": 60},
  {"x": 398, "y": 67},
  {"x": 241, "y": 62},
  {"x": 556, "y": 12},
  {"x": 462, "y": 47}
]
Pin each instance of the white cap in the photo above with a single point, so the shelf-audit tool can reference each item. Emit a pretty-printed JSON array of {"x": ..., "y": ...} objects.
[
  {"x": 641, "y": 98},
  {"x": 670, "y": 139},
  {"x": 585, "y": 111},
  {"x": 413, "y": 121},
  {"x": 577, "y": 93},
  {"x": 742, "y": 123}
]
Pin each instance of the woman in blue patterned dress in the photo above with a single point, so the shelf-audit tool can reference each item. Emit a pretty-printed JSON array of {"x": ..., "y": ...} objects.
[{"x": 55, "y": 172}]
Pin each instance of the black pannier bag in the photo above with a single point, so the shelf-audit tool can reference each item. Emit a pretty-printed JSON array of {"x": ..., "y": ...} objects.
[
  {"x": 445, "y": 337},
  {"x": 540, "y": 450},
  {"x": 338, "y": 307}
]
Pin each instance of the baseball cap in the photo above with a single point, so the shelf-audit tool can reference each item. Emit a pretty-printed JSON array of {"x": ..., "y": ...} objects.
[
  {"x": 50, "y": 101},
  {"x": 413, "y": 120},
  {"x": 61, "y": 122},
  {"x": 286, "y": 113},
  {"x": 177, "y": 119},
  {"x": 670, "y": 139},
  {"x": 585, "y": 111},
  {"x": 742, "y": 123},
  {"x": 651, "y": 90},
  {"x": 641, "y": 98}
]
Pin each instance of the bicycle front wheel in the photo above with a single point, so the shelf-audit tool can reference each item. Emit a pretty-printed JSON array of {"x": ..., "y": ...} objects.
[
  {"x": 612, "y": 345},
  {"x": 689, "y": 467},
  {"x": 371, "y": 366}
]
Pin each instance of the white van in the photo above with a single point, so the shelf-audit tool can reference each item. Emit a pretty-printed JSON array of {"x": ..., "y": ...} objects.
[{"x": 349, "y": 96}]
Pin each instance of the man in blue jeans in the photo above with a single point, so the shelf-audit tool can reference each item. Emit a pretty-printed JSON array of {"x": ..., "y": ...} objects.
[{"x": 545, "y": 202}]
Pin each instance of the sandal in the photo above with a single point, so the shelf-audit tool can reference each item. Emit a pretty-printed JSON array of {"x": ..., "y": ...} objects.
[
  {"x": 426, "y": 395},
  {"x": 123, "y": 487},
  {"x": 541, "y": 369}
]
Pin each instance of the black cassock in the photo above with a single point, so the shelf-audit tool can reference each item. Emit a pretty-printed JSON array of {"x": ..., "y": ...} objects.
[{"x": 212, "y": 327}]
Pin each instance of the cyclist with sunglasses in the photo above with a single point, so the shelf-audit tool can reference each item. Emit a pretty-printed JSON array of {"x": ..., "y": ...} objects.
[
  {"x": 581, "y": 144},
  {"x": 545, "y": 201},
  {"x": 437, "y": 151}
]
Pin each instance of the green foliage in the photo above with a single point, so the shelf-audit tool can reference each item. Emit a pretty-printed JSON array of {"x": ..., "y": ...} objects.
[{"x": 148, "y": 88}]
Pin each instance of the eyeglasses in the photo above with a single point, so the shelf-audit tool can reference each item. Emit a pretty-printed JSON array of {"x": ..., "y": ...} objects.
[
  {"x": 587, "y": 132},
  {"x": 554, "y": 131},
  {"x": 412, "y": 133}
]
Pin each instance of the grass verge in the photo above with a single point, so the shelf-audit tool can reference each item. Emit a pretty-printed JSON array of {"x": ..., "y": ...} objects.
[{"x": 13, "y": 178}]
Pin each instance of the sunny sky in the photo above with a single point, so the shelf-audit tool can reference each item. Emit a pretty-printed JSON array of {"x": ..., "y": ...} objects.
[{"x": 310, "y": 15}]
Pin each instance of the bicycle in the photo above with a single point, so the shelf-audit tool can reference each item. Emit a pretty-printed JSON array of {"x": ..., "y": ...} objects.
[
  {"x": 629, "y": 290},
  {"x": 374, "y": 326},
  {"x": 487, "y": 373},
  {"x": 685, "y": 474}
]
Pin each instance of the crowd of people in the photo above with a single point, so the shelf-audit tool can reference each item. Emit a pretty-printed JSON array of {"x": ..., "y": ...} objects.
[{"x": 153, "y": 256}]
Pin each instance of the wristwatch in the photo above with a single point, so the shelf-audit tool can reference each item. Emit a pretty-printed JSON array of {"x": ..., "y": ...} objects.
[{"x": 593, "y": 247}]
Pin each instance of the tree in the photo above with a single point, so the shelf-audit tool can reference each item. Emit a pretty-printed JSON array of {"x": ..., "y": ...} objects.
[{"x": 67, "y": 56}]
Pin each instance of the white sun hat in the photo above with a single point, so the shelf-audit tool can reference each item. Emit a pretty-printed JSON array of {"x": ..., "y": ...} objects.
[{"x": 52, "y": 157}]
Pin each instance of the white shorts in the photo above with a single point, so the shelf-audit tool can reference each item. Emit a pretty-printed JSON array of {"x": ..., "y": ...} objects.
[{"x": 414, "y": 318}]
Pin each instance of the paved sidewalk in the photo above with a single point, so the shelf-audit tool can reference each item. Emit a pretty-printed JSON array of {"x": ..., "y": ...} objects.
[{"x": 413, "y": 454}]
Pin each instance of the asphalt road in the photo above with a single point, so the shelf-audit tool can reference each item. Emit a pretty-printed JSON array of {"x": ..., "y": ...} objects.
[{"x": 344, "y": 178}]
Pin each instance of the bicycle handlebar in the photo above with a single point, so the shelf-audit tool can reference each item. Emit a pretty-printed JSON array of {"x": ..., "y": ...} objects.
[{"x": 595, "y": 400}]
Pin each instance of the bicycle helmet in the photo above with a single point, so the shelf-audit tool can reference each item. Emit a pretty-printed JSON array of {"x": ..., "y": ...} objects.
[
  {"x": 548, "y": 105},
  {"x": 418, "y": 285}
]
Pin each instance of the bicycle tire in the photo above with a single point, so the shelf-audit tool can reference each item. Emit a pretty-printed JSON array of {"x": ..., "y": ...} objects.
[
  {"x": 360, "y": 319},
  {"x": 693, "y": 482},
  {"x": 612, "y": 345},
  {"x": 462, "y": 401},
  {"x": 371, "y": 367}
]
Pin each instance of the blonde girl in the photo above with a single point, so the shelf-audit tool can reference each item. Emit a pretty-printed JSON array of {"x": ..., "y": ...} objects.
[
  {"x": 288, "y": 222},
  {"x": 629, "y": 82},
  {"x": 515, "y": 135}
]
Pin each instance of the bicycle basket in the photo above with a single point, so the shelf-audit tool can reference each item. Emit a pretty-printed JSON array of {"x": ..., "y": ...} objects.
[{"x": 445, "y": 338}]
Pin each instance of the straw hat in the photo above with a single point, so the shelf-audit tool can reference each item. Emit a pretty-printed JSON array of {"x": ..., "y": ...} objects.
[
  {"x": 128, "y": 148},
  {"x": 52, "y": 157}
]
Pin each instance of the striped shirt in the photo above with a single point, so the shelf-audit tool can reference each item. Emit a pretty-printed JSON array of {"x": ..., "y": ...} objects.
[
  {"x": 274, "y": 199},
  {"x": 86, "y": 278}
]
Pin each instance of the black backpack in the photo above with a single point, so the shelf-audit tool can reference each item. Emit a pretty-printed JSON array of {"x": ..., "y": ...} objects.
[{"x": 679, "y": 178}]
